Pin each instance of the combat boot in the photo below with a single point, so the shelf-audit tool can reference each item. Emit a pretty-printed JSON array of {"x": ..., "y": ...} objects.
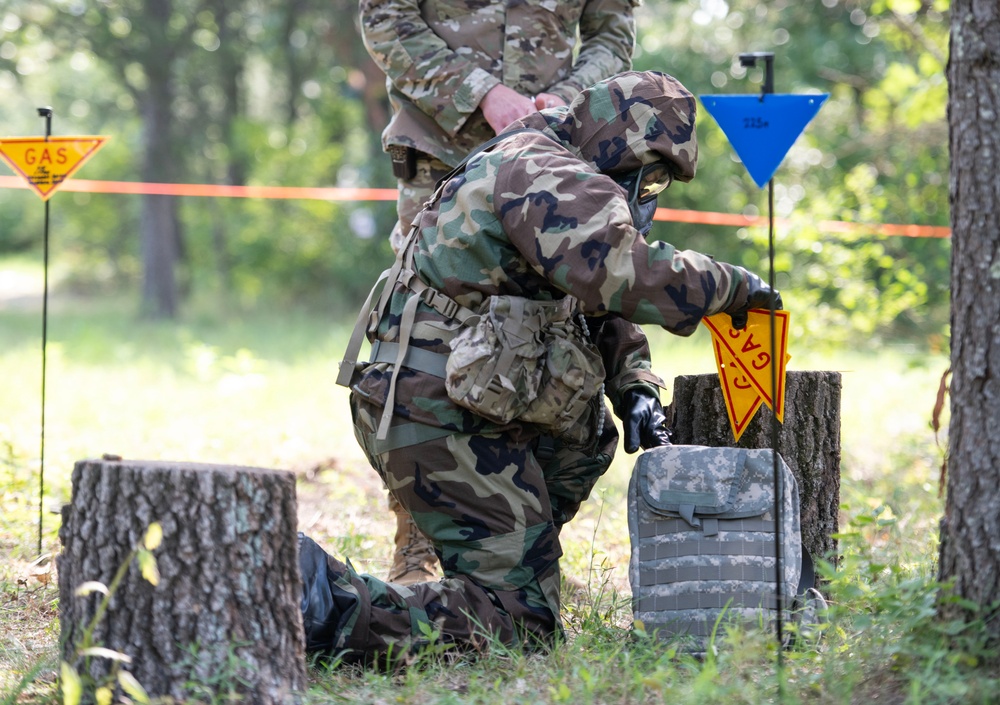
[
  {"x": 414, "y": 560},
  {"x": 325, "y": 605}
]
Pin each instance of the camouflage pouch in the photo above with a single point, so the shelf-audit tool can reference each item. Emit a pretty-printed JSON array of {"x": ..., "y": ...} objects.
[
  {"x": 494, "y": 368},
  {"x": 572, "y": 376},
  {"x": 703, "y": 528},
  {"x": 525, "y": 360}
]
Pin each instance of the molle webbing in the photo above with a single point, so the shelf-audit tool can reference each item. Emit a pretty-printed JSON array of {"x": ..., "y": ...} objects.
[
  {"x": 706, "y": 601},
  {"x": 703, "y": 539},
  {"x": 683, "y": 574},
  {"x": 701, "y": 547},
  {"x": 425, "y": 361},
  {"x": 665, "y": 526}
]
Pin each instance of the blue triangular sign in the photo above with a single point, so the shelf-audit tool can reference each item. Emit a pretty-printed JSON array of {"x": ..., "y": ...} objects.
[{"x": 762, "y": 128}]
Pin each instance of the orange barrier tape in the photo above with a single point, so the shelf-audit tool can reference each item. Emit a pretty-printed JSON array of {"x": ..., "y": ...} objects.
[
  {"x": 334, "y": 193},
  {"x": 319, "y": 193},
  {"x": 828, "y": 226}
]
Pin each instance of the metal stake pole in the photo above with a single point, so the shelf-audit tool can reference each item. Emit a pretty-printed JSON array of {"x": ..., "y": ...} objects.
[
  {"x": 778, "y": 488},
  {"x": 47, "y": 114},
  {"x": 749, "y": 60}
]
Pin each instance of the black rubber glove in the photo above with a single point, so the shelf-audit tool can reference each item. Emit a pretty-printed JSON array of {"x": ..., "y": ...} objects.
[
  {"x": 759, "y": 296},
  {"x": 644, "y": 420}
]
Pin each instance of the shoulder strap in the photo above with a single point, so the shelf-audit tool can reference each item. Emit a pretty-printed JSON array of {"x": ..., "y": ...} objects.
[{"x": 402, "y": 270}]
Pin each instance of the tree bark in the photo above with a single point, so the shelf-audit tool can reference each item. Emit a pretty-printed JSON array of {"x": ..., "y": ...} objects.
[
  {"x": 224, "y": 614},
  {"x": 970, "y": 549},
  {"x": 808, "y": 440}
]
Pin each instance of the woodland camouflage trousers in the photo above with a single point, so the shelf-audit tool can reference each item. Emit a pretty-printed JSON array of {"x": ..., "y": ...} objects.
[{"x": 493, "y": 508}]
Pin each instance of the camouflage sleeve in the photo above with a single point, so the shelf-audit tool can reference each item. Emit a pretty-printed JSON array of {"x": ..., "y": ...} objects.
[
  {"x": 420, "y": 64},
  {"x": 573, "y": 227},
  {"x": 607, "y": 34},
  {"x": 625, "y": 353}
]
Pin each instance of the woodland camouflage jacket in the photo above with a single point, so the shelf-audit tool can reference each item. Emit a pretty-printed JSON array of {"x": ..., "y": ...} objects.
[
  {"x": 440, "y": 58},
  {"x": 538, "y": 216}
]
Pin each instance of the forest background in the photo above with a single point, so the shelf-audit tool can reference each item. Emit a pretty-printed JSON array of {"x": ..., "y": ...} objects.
[
  {"x": 262, "y": 92},
  {"x": 253, "y": 297}
]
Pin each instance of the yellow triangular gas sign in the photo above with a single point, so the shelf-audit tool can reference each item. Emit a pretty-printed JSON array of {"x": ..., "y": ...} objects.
[
  {"x": 741, "y": 397},
  {"x": 46, "y": 163},
  {"x": 750, "y": 350}
]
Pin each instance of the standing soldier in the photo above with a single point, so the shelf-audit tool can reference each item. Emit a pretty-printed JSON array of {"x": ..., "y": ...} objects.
[
  {"x": 546, "y": 220},
  {"x": 458, "y": 72}
]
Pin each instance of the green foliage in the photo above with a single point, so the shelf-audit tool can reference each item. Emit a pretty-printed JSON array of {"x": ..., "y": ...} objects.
[
  {"x": 275, "y": 94},
  {"x": 876, "y": 153},
  {"x": 223, "y": 684},
  {"x": 259, "y": 97},
  {"x": 19, "y": 502},
  {"x": 884, "y": 622}
]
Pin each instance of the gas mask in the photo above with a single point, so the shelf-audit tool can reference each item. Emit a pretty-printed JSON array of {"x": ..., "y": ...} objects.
[{"x": 642, "y": 187}]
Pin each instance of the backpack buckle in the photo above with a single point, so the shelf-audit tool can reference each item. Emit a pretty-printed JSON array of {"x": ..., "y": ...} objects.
[{"x": 445, "y": 305}]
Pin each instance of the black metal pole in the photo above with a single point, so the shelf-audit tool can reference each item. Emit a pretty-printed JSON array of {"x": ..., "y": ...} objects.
[
  {"x": 47, "y": 114},
  {"x": 778, "y": 488},
  {"x": 749, "y": 60}
]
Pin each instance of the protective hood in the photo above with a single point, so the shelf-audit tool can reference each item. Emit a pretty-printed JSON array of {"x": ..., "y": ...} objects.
[{"x": 630, "y": 119}]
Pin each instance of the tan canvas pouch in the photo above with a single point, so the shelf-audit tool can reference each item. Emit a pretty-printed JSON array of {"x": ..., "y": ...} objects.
[
  {"x": 572, "y": 375},
  {"x": 493, "y": 368},
  {"x": 526, "y": 360}
]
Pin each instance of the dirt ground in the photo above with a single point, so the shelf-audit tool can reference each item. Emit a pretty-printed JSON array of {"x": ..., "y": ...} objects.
[{"x": 342, "y": 504}]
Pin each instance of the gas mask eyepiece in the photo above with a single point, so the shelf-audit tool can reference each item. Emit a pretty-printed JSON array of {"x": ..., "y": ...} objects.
[{"x": 643, "y": 186}]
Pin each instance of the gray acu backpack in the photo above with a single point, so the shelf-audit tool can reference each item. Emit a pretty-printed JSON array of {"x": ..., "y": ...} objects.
[{"x": 702, "y": 529}]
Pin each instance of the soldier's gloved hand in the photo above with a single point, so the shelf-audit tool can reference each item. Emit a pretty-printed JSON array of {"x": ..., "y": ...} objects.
[
  {"x": 644, "y": 420},
  {"x": 759, "y": 296}
]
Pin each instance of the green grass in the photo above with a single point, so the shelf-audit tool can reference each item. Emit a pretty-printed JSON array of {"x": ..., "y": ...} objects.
[{"x": 258, "y": 389}]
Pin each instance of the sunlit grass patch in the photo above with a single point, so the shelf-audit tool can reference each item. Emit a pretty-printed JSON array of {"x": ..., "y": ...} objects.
[
  {"x": 259, "y": 390},
  {"x": 28, "y": 581}
]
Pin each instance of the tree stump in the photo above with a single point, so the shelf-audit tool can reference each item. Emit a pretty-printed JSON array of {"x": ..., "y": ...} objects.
[
  {"x": 224, "y": 616},
  {"x": 808, "y": 440}
]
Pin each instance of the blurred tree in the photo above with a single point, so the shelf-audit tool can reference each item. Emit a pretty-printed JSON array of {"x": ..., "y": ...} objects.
[
  {"x": 970, "y": 552},
  {"x": 283, "y": 93},
  {"x": 138, "y": 41},
  {"x": 876, "y": 152},
  {"x": 148, "y": 52},
  {"x": 306, "y": 116},
  {"x": 226, "y": 91}
]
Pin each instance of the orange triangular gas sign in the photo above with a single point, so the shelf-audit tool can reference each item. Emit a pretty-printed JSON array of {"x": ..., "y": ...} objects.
[
  {"x": 750, "y": 350},
  {"x": 46, "y": 163},
  {"x": 741, "y": 397}
]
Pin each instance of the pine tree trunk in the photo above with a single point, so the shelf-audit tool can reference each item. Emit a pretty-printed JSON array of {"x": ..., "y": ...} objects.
[
  {"x": 225, "y": 610},
  {"x": 970, "y": 551},
  {"x": 808, "y": 440}
]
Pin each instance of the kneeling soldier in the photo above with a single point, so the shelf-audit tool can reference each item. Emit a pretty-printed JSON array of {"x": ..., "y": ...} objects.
[{"x": 481, "y": 419}]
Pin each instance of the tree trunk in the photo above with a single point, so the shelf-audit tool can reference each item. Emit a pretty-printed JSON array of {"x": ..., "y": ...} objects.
[
  {"x": 808, "y": 440},
  {"x": 159, "y": 256},
  {"x": 970, "y": 551},
  {"x": 160, "y": 234},
  {"x": 224, "y": 615}
]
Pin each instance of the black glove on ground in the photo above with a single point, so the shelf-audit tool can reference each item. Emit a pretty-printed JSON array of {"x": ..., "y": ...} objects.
[
  {"x": 644, "y": 420},
  {"x": 759, "y": 296}
]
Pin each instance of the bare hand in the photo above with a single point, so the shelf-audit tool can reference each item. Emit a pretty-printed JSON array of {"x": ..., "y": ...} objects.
[
  {"x": 503, "y": 105},
  {"x": 548, "y": 100}
]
